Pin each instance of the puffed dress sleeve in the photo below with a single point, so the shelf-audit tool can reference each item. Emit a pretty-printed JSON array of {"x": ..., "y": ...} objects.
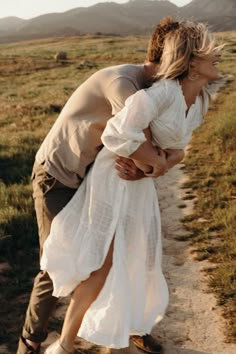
[{"x": 124, "y": 132}]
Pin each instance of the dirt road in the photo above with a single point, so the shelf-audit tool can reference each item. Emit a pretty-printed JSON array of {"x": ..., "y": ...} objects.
[{"x": 193, "y": 324}]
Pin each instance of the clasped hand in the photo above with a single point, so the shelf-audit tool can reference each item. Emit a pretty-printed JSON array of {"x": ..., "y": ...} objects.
[{"x": 132, "y": 171}]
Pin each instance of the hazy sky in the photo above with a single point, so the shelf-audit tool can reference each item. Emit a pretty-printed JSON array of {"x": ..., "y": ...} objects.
[{"x": 31, "y": 8}]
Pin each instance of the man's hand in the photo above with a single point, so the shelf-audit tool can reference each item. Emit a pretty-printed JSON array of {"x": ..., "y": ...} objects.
[{"x": 127, "y": 169}]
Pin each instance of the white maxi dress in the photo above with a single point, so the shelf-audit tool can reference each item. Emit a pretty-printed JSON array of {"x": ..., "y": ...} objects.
[{"x": 135, "y": 294}]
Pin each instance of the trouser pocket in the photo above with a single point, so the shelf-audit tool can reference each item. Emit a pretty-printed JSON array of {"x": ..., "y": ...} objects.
[{"x": 42, "y": 181}]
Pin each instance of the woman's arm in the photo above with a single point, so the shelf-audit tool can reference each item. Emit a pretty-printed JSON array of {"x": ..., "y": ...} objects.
[
  {"x": 174, "y": 156},
  {"x": 150, "y": 159},
  {"x": 165, "y": 159},
  {"x": 137, "y": 168},
  {"x": 127, "y": 133}
]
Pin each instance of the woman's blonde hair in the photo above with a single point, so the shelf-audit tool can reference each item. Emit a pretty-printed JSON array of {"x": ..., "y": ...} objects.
[{"x": 186, "y": 41}]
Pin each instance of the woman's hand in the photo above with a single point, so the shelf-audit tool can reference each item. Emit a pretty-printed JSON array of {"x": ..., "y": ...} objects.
[
  {"x": 152, "y": 158},
  {"x": 160, "y": 167},
  {"x": 127, "y": 169}
]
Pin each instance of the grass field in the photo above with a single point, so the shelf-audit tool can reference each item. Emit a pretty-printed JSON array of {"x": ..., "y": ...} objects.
[{"x": 33, "y": 89}]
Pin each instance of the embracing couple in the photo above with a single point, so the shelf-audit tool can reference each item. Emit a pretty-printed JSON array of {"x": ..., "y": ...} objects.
[{"x": 101, "y": 242}]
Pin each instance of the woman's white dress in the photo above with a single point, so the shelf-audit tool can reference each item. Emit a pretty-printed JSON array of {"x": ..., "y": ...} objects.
[{"x": 135, "y": 294}]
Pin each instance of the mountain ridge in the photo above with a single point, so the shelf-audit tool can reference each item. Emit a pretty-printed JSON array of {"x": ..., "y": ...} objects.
[{"x": 133, "y": 17}]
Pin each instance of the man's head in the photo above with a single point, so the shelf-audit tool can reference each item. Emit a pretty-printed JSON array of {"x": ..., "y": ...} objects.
[{"x": 156, "y": 42}]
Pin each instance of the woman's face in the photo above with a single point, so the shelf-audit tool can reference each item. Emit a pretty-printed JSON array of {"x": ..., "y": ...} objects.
[{"x": 207, "y": 67}]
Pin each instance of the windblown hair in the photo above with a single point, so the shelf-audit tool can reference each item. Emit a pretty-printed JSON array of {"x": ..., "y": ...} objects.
[
  {"x": 180, "y": 45},
  {"x": 156, "y": 43}
]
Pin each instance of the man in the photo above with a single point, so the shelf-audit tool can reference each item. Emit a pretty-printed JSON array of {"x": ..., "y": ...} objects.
[{"x": 64, "y": 158}]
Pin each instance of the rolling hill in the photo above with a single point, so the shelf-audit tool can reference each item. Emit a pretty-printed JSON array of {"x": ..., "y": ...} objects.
[{"x": 133, "y": 17}]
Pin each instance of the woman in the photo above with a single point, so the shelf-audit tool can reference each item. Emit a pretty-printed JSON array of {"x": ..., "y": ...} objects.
[{"x": 110, "y": 257}]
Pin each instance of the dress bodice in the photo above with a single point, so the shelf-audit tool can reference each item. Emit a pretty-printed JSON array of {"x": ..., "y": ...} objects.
[
  {"x": 163, "y": 108},
  {"x": 173, "y": 127}
]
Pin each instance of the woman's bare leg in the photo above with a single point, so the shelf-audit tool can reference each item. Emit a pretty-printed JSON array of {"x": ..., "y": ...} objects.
[{"x": 82, "y": 298}]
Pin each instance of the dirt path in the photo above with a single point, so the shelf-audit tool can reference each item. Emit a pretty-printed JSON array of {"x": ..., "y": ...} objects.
[{"x": 192, "y": 324}]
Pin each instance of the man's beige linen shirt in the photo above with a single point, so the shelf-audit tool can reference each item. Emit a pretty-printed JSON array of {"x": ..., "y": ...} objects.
[{"x": 74, "y": 140}]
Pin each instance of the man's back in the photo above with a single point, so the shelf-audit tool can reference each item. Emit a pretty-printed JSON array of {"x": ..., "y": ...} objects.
[{"x": 74, "y": 140}]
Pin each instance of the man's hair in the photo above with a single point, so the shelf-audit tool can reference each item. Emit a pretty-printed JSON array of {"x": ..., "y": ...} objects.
[{"x": 156, "y": 43}]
